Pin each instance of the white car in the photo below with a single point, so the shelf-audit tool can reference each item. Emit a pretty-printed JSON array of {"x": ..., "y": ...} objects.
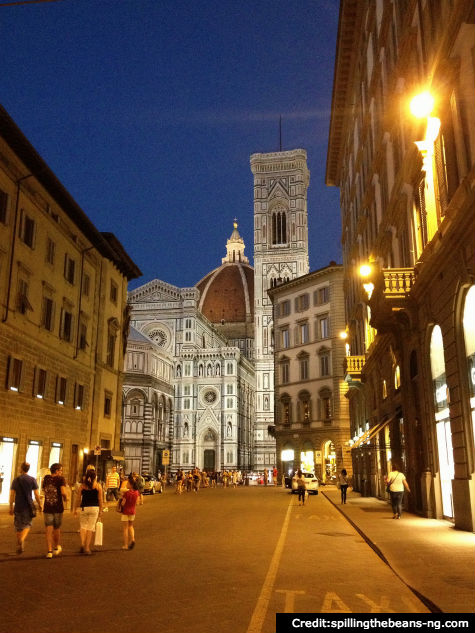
[{"x": 311, "y": 482}]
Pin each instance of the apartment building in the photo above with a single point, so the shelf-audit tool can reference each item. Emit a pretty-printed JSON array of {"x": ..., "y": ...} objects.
[
  {"x": 407, "y": 177},
  {"x": 312, "y": 427},
  {"x": 64, "y": 321}
]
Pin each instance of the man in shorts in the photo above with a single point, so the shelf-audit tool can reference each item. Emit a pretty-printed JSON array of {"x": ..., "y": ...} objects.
[
  {"x": 112, "y": 484},
  {"x": 20, "y": 495},
  {"x": 54, "y": 490}
]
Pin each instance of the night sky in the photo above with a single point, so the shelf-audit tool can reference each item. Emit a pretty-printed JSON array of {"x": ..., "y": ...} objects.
[{"x": 148, "y": 111}]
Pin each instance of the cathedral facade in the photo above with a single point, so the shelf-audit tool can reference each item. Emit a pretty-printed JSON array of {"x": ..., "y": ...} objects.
[{"x": 199, "y": 378}]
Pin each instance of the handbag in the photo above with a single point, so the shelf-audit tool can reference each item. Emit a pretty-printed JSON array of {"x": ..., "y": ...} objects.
[
  {"x": 98, "y": 533},
  {"x": 388, "y": 487}
]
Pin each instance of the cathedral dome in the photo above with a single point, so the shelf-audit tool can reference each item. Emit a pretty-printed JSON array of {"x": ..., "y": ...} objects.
[{"x": 227, "y": 293}]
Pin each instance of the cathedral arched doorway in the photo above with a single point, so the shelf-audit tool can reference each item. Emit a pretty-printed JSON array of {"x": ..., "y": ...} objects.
[
  {"x": 209, "y": 459},
  {"x": 209, "y": 451}
]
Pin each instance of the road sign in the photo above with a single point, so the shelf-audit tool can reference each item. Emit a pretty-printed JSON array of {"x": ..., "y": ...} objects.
[
  {"x": 97, "y": 450},
  {"x": 165, "y": 457}
]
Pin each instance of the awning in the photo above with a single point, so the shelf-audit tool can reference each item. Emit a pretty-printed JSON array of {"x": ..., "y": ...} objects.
[
  {"x": 370, "y": 433},
  {"x": 117, "y": 455}
]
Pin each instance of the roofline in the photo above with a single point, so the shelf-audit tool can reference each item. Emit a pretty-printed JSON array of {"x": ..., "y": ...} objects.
[
  {"x": 107, "y": 244},
  {"x": 349, "y": 22},
  {"x": 298, "y": 281}
]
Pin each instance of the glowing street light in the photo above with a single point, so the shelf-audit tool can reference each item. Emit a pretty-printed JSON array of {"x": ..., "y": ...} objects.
[{"x": 422, "y": 105}]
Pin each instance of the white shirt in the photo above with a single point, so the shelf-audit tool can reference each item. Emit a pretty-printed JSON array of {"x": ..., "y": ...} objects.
[{"x": 396, "y": 478}]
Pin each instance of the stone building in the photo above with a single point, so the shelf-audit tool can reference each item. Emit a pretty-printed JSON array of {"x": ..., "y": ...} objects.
[
  {"x": 211, "y": 382},
  {"x": 312, "y": 427},
  {"x": 281, "y": 181},
  {"x": 220, "y": 331},
  {"x": 63, "y": 294},
  {"x": 406, "y": 184}
]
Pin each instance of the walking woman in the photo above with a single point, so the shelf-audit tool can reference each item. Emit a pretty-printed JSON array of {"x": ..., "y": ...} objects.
[
  {"x": 90, "y": 496},
  {"x": 396, "y": 482},
  {"x": 301, "y": 487},
  {"x": 342, "y": 482},
  {"x": 129, "y": 502}
]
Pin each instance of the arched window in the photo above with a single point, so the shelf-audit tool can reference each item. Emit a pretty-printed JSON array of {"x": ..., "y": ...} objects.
[{"x": 279, "y": 226}]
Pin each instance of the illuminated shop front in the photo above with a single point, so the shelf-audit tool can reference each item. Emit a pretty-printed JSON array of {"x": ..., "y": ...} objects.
[
  {"x": 8, "y": 447},
  {"x": 287, "y": 457},
  {"x": 442, "y": 421}
]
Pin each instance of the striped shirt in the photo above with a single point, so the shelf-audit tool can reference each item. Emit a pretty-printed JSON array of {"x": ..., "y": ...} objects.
[{"x": 112, "y": 480}]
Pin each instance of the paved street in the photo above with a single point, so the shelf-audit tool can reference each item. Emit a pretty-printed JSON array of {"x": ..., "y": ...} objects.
[{"x": 227, "y": 557}]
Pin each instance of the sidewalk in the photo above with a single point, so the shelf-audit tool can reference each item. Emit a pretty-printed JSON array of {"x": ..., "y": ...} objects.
[{"x": 433, "y": 558}]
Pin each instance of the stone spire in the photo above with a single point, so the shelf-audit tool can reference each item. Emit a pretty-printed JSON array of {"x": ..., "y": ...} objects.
[{"x": 235, "y": 248}]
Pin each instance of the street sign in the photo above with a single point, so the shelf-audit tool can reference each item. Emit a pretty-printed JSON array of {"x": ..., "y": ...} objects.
[
  {"x": 97, "y": 450},
  {"x": 165, "y": 457}
]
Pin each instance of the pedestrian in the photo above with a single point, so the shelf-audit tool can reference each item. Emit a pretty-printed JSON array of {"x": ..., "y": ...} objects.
[
  {"x": 266, "y": 476},
  {"x": 274, "y": 476},
  {"x": 179, "y": 482},
  {"x": 342, "y": 483},
  {"x": 21, "y": 504},
  {"x": 196, "y": 479},
  {"x": 301, "y": 487},
  {"x": 54, "y": 491},
  {"x": 129, "y": 503},
  {"x": 112, "y": 484},
  {"x": 90, "y": 497},
  {"x": 395, "y": 484}
]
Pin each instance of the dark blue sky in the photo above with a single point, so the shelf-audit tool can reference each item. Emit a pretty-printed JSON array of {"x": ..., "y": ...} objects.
[{"x": 148, "y": 112}]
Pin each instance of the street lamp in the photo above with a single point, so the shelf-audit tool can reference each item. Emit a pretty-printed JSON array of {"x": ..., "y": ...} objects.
[
  {"x": 422, "y": 106},
  {"x": 366, "y": 271}
]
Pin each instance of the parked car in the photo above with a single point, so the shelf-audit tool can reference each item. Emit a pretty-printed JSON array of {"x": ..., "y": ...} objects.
[
  {"x": 151, "y": 485},
  {"x": 311, "y": 481}
]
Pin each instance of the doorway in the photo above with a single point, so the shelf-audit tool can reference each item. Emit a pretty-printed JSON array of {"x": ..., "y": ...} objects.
[{"x": 209, "y": 459}]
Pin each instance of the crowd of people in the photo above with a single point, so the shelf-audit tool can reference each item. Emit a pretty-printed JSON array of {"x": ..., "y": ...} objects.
[{"x": 124, "y": 492}]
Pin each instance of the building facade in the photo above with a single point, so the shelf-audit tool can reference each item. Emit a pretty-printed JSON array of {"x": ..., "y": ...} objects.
[
  {"x": 312, "y": 426},
  {"x": 408, "y": 214},
  {"x": 63, "y": 293},
  {"x": 209, "y": 384},
  {"x": 281, "y": 181}
]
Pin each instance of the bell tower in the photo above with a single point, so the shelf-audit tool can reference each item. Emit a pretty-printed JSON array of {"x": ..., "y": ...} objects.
[{"x": 281, "y": 181}]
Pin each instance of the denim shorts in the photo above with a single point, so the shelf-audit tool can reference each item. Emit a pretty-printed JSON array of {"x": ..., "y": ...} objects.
[
  {"x": 22, "y": 520},
  {"x": 55, "y": 519}
]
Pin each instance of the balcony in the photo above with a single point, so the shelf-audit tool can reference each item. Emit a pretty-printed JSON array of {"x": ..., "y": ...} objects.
[
  {"x": 353, "y": 366},
  {"x": 398, "y": 282},
  {"x": 389, "y": 297}
]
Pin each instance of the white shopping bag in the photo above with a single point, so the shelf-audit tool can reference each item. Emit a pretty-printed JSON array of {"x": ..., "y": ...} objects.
[{"x": 98, "y": 533}]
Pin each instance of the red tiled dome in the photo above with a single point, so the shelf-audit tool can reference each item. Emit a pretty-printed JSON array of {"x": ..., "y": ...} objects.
[{"x": 227, "y": 293}]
